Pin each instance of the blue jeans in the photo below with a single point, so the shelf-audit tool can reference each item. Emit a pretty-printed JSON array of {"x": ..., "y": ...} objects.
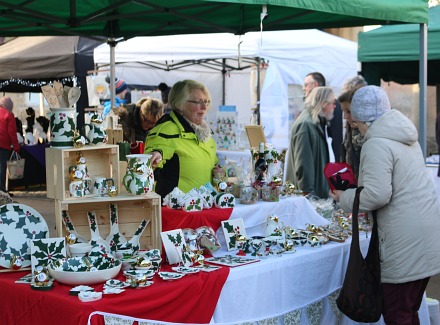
[{"x": 4, "y": 157}]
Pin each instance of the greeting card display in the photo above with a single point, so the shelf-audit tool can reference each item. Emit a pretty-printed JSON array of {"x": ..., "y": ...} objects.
[
  {"x": 175, "y": 247},
  {"x": 235, "y": 233}
]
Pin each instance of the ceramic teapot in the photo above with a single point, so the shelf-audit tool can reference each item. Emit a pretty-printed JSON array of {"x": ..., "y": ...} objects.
[
  {"x": 96, "y": 133},
  {"x": 139, "y": 178}
]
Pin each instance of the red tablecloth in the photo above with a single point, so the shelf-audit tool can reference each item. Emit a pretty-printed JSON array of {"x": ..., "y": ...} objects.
[
  {"x": 179, "y": 219},
  {"x": 191, "y": 299}
]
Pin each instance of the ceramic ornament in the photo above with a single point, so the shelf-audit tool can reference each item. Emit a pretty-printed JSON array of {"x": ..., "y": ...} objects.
[
  {"x": 133, "y": 243},
  {"x": 115, "y": 239},
  {"x": 174, "y": 243},
  {"x": 71, "y": 228},
  {"x": 96, "y": 240},
  {"x": 19, "y": 224}
]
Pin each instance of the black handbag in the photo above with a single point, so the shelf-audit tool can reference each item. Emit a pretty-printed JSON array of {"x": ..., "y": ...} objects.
[{"x": 360, "y": 297}]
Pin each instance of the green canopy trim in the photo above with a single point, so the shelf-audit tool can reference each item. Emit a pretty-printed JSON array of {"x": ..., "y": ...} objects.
[{"x": 126, "y": 19}]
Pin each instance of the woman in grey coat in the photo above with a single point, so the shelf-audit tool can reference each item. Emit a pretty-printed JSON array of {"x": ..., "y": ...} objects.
[{"x": 397, "y": 185}]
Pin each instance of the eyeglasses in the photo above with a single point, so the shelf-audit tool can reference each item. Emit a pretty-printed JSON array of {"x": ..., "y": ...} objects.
[{"x": 200, "y": 102}]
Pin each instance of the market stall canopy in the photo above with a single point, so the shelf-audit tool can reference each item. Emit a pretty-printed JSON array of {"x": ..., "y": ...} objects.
[
  {"x": 392, "y": 53},
  {"x": 41, "y": 57},
  {"x": 126, "y": 19}
]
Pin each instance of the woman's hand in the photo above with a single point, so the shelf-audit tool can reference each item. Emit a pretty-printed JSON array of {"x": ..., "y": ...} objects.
[
  {"x": 335, "y": 194},
  {"x": 156, "y": 158}
]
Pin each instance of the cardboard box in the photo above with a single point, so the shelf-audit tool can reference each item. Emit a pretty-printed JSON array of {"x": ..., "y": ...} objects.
[
  {"x": 132, "y": 209},
  {"x": 101, "y": 161}
]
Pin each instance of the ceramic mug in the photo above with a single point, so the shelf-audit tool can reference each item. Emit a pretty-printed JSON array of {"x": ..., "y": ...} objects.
[
  {"x": 102, "y": 184},
  {"x": 76, "y": 189},
  {"x": 87, "y": 186}
]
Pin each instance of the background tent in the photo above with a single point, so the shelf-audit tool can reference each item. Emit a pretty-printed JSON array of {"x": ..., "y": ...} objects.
[
  {"x": 290, "y": 56},
  {"x": 126, "y": 19},
  {"x": 27, "y": 63},
  {"x": 391, "y": 53}
]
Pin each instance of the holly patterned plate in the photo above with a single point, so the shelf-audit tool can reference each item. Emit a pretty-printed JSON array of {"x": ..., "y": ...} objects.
[
  {"x": 19, "y": 224},
  {"x": 168, "y": 276},
  {"x": 185, "y": 270}
]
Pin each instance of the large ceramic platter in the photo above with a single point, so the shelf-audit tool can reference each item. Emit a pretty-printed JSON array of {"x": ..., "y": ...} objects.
[{"x": 19, "y": 224}]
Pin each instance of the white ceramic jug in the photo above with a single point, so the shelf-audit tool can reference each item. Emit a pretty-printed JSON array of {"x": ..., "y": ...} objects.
[{"x": 62, "y": 126}]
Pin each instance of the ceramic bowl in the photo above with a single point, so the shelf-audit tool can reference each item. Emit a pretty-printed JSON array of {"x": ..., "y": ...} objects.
[
  {"x": 86, "y": 277},
  {"x": 80, "y": 249}
]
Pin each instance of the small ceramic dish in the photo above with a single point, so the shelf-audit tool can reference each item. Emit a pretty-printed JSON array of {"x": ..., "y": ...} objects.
[
  {"x": 113, "y": 283},
  {"x": 112, "y": 292},
  {"x": 86, "y": 296},
  {"x": 144, "y": 285},
  {"x": 76, "y": 290},
  {"x": 147, "y": 273},
  {"x": 169, "y": 276},
  {"x": 185, "y": 270},
  {"x": 299, "y": 240}
]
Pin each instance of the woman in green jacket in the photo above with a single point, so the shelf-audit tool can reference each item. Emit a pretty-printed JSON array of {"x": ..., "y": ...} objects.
[{"x": 181, "y": 143}]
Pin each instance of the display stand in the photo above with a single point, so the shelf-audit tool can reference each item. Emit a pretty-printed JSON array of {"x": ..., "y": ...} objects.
[{"x": 101, "y": 161}]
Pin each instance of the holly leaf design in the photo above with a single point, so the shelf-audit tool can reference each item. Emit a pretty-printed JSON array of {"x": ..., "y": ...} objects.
[
  {"x": 92, "y": 221},
  {"x": 229, "y": 228},
  {"x": 18, "y": 210},
  {"x": 3, "y": 209},
  {"x": 40, "y": 255},
  {"x": 7, "y": 221},
  {"x": 141, "y": 227},
  {"x": 231, "y": 199},
  {"x": 41, "y": 235},
  {"x": 21, "y": 222},
  {"x": 71, "y": 123},
  {"x": 113, "y": 214},
  {"x": 33, "y": 218},
  {"x": 57, "y": 126},
  {"x": 28, "y": 234},
  {"x": 171, "y": 239},
  {"x": 190, "y": 207},
  {"x": 3, "y": 244}
]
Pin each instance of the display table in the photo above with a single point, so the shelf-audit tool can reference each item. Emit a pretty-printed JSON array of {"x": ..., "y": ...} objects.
[{"x": 297, "y": 286}]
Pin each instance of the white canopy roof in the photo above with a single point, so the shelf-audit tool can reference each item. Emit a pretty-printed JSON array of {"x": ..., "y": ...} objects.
[{"x": 291, "y": 55}]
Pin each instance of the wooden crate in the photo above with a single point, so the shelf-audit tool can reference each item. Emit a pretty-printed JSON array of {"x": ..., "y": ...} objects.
[
  {"x": 131, "y": 211},
  {"x": 115, "y": 136},
  {"x": 102, "y": 161}
]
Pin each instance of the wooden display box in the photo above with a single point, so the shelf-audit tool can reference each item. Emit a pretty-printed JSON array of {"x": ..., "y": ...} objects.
[
  {"x": 131, "y": 211},
  {"x": 115, "y": 136},
  {"x": 101, "y": 161}
]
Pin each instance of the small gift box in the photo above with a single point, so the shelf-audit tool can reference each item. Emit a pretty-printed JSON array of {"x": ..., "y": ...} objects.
[
  {"x": 270, "y": 193},
  {"x": 193, "y": 204}
]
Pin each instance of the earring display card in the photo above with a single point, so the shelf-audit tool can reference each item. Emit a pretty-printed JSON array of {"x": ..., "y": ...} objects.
[{"x": 225, "y": 130}]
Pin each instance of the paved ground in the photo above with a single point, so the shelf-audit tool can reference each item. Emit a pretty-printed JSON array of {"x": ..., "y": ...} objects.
[{"x": 46, "y": 207}]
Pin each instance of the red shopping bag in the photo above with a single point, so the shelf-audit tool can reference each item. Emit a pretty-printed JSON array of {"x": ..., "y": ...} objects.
[
  {"x": 340, "y": 176},
  {"x": 137, "y": 147}
]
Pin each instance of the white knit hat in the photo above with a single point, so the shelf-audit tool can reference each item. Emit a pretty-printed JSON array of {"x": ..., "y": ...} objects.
[{"x": 369, "y": 103}]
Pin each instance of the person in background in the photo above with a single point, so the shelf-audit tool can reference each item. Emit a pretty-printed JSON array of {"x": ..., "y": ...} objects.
[
  {"x": 121, "y": 90},
  {"x": 183, "y": 150},
  {"x": 351, "y": 149},
  {"x": 309, "y": 149},
  {"x": 437, "y": 138},
  {"x": 316, "y": 79},
  {"x": 396, "y": 184},
  {"x": 8, "y": 137},
  {"x": 137, "y": 120},
  {"x": 164, "y": 91}
]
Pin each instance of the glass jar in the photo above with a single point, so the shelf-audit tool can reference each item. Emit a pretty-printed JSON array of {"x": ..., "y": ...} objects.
[{"x": 248, "y": 195}]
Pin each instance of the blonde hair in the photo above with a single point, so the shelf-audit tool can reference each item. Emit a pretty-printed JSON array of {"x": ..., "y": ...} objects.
[
  {"x": 317, "y": 97},
  {"x": 181, "y": 91},
  {"x": 150, "y": 108}
]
